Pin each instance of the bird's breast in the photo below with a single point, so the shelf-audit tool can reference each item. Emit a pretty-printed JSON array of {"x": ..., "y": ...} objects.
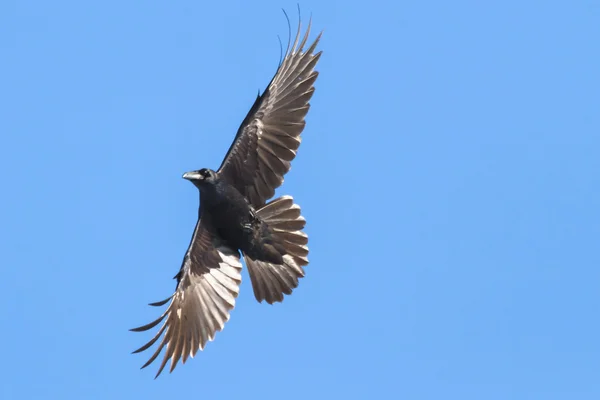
[{"x": 230, "y": 214}]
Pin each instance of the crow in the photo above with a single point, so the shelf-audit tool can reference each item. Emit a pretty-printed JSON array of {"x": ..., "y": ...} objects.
[{"x": 234, "y": 216}]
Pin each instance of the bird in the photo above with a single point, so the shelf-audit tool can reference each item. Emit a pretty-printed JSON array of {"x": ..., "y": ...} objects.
[{"x": 237, "y": 218}]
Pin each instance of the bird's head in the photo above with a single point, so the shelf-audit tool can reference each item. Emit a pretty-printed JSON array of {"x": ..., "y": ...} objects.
[{"x": 201, "y": 177}]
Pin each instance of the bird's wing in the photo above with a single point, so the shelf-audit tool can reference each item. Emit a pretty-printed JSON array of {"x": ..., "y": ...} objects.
[
  {"x": 267, "y": 139},
  {"x": 207, "y": 286}
]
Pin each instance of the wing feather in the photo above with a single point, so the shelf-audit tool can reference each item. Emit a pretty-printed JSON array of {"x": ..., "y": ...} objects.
[
  {"x": 269, "y": 136},
  {"x": 208, "y": 284}
]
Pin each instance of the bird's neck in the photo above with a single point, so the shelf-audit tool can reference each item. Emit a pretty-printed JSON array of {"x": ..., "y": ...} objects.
[{"x": 210, "y": 196}]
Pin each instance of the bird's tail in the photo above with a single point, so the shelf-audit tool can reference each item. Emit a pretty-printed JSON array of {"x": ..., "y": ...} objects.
[{"x": 271, "y": 281}]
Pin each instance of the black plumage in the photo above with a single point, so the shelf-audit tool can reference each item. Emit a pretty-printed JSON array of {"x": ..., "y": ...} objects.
[{"x": 234, "y": 216}]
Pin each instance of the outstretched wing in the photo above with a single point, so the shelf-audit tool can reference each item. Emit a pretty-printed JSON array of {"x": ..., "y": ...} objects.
[
  {"x": 267, "y": 139},
  {"x": 207, "y": 286}
]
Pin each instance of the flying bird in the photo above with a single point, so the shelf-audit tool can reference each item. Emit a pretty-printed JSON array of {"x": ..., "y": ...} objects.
[{"x": 235, "y": 216}]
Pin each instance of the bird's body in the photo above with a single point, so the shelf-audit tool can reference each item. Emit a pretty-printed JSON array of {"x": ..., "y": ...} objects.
[
  {"x": 236, "y": 221},
  {"x": 229, "y": 211},
  {"x": 237, "y": 216}
]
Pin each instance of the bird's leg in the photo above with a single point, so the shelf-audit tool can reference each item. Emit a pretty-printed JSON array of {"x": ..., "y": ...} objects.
[
  {"x": 252, "y": 212},
  {"x": 248, "y": 227}
]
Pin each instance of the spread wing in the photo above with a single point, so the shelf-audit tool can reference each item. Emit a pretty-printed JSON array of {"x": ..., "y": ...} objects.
[
  {"x": 207, "y": 286},
  {"x": 267, "y": 139}
]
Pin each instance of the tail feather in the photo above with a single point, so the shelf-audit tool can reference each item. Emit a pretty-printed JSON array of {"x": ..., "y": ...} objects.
[
  {"x": 297, "y": 237},
  {"x": 289, "y": 225},
  {"x": 271, "y": 281}
]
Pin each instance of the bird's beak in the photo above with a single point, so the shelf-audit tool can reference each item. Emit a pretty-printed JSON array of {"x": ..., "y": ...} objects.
[{"x": 192, "y": 176}]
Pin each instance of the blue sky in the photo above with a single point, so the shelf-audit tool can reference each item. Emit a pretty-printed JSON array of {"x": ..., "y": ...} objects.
[{"x": 449, "y": 174}]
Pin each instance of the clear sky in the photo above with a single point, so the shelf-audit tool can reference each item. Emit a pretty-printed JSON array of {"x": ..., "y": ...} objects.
[{"x": 449, "y": 173}]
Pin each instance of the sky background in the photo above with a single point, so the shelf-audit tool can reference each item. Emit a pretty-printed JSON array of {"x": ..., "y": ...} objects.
[{"x": 449, "y": 174}]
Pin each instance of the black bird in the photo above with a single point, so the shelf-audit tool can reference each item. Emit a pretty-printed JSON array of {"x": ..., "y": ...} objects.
[{"x": 234, "y": 216}]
